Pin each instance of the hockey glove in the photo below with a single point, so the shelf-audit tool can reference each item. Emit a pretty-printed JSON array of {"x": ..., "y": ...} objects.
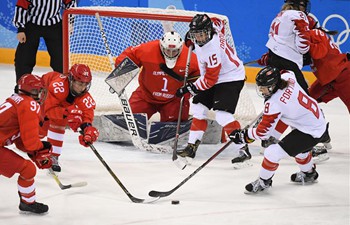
[
  {"x": 188, "y": 40},
  {"x": 74, "y": 117},
  {"x": 42, "y": 157},
  {"x": 240, "y": 137},
  {"x": 89, "y": 136},
  {"x": 266, "y": 143},
  {"x": 263, "y": 60},
  {"x": 189, "y": 87}
]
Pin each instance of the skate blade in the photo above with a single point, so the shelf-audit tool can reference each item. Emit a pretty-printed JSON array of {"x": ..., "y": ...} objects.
[
  {"x": 242, "y": 165},
  {"x": 320, "y": 158},
  {"x": 28, "y": 213},
  {"x": 305, "y": 183},
  {"x": 265, "y": 191}
]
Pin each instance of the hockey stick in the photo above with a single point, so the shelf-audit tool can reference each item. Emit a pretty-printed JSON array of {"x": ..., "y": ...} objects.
[
  {"x": 167, "y": 193},
  {"x": 180, "y": 163},
  {"x": 132, "y": 198},
  {"x": 250, "y": 62},
  {"x": 63, "y": 186},
  {"x": 128, "y": 115},
  {"x": 174, "y": 75}
]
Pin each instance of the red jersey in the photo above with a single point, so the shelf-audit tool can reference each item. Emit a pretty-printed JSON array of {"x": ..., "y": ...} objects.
[
  {"x": 19, "y": 123},
  {"x": 157, "y": 87},
  {"x": 328, "y": 61},
  {"x": 59, "y": 98}
]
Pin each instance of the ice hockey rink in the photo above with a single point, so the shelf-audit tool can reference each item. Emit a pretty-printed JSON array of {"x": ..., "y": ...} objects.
[{"x": 215, "y": 195}]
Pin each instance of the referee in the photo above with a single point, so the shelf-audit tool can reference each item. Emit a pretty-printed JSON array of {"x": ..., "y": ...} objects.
[{"x": 34, "y": 19}]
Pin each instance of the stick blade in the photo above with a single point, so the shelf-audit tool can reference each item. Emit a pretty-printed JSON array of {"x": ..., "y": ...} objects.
[
  {"x": 159, "y": 194},
  {"x": 146, "y": 201},
  {"x": 180, "y": 163},
  {"x": 79, "y": 184}
]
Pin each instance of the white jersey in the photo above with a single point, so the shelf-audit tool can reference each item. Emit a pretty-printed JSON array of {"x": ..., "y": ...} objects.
[
  {"x": 285, "y": 40},
  {"x": 218, "y": 63},
  {"x": 294, "y": 107}
]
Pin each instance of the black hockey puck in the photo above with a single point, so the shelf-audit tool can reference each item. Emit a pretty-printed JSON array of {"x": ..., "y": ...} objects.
[{"x": 175, "y": 202}]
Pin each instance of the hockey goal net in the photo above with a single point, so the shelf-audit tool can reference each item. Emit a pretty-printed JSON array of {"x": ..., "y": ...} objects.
[{"x": 83, "y": 42}]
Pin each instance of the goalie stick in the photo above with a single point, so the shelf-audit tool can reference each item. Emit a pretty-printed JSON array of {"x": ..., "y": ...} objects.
[
  {"x": 177, "y": 77},
  {"x": 132, "y": 198},
  {"x": 167, "y": 193},
  {"x": 63, "y": 186},
  {"x": 174, "y": 75},
  {"x": 250, "y": 62},
  {"x": 129, "y": 117}
]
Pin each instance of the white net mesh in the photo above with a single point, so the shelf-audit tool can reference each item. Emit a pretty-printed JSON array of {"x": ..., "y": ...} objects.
[{"x": 124, "y": 27}]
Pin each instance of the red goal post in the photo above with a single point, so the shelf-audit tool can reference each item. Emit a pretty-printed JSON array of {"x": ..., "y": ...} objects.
[{"x": 83, "y": 42}]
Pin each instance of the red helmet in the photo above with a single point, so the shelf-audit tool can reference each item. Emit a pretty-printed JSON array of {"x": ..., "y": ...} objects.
[
  {"x": 34, "y": 86},
  {"x": 82, "y": 73}
]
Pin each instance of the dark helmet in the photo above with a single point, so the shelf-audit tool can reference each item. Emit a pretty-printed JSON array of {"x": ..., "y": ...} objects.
[
  {"x": 297, "y": 3},
  {"x": 269, "y": 77},
  {"x": 82, "y": 73},
  {"x": 201, "y": 25},
  {"x": 32, "y": 85}
]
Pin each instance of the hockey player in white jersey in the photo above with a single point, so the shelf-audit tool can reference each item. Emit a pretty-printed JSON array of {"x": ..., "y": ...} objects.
[
  {"x": 285, "y": 100},
  {"x": 289, "y": 39},
  {"x": 222, "y": 75}
]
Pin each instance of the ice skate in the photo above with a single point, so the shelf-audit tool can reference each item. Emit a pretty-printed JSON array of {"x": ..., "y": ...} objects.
[
  {"x": 55, "y": 165},
  {"x": 36, "y": 207},
  {"x": 320, "y": 152},
  {"x": 189, "y": 152},
  {"x": 258, "y": 185},
  {"x": 243, "y": 160},
  {"x": 305, "y": 177}
]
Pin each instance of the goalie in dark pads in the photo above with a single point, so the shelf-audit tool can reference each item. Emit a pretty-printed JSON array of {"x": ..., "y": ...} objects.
[{"x": 156, "y": 90}]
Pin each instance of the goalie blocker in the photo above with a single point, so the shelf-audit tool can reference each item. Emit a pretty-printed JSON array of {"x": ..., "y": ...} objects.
[{"x": 122, "y": 75}]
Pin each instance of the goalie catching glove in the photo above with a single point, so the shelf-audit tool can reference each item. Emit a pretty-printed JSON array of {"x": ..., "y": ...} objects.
[
  {"x": 42, "y": 157},
  {"x": 240, "y": 137},
  {"x": 189, "y": 87},
  {"x": 89, "y": 135},
  {"x": 74, "y": 117}
]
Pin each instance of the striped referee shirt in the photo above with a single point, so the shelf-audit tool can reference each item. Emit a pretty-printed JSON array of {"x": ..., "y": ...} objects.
[{"x": 39, "y": 12}]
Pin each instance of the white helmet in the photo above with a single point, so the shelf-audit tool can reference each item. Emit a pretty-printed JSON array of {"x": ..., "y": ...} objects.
[{"x": 171, "y": 46}]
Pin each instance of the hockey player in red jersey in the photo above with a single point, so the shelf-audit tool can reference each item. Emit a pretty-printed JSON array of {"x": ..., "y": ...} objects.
[
  {"x": 68, "y": 103},
  {"x": 285, "y": 100},
  {"x": 156, "y": 91},
  {"x": 288, "y": 39},
  {"x": 20, "y": 115},
  {"x": 331, "y": 68},
  {"x": 222, "y": 75}
]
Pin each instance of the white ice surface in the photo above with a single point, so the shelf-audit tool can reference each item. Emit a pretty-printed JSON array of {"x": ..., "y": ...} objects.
[{"x": 213, "y": 196}]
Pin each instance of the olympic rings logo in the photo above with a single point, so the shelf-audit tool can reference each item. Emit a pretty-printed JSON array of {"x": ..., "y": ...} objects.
[{"x": 343, "y": 35}]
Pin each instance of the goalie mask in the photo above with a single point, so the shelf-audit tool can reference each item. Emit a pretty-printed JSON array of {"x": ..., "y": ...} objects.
[
  {"x": 302, "y": 5},
  {"x": 32, "y": 86},
  {"x": 201, "y": 29},
  {"x": 79, "y": 79},
  {"x": 267, "y": 81},
  {"x": 171, "y": 46}
]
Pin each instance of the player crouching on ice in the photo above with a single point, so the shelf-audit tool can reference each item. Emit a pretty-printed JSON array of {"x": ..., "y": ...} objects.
[
  {"x": 20, "y": 116},
  {"x": 68, "y": 103},
  {"x": 285, "y": 100}
]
